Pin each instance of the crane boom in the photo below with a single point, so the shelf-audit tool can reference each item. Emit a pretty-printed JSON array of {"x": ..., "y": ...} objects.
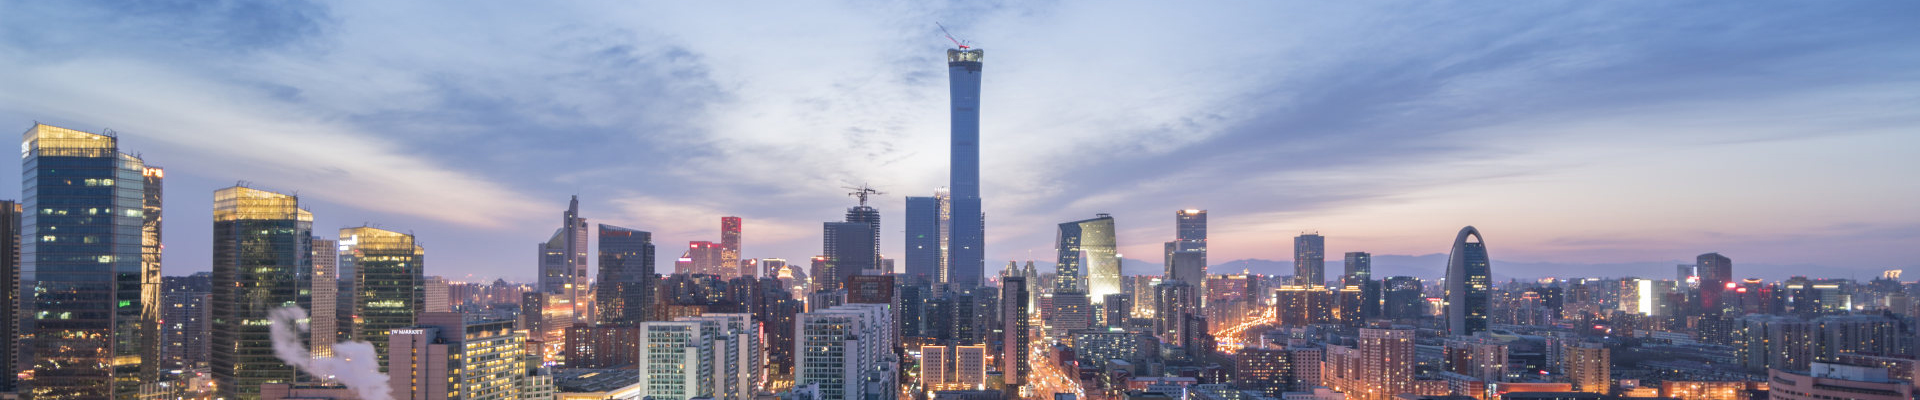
[{"x": 943, "y": 30}]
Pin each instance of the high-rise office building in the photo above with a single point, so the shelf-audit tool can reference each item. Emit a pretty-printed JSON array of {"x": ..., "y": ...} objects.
[
  {"x": 438, "y": 297},
  {"x": 926, "y": 241},
  {"x": 1310, "y": 259},
  {"x": 183, "y": 338},
  {"x": 1469, "y": 284},
  {"x": 1588, "y": 365},
  {"x": 1186, "y": 255},
  {"x": 262, "y": 260},
  {"x": 730, "y": 249},
  {"x": 1359, "y": 266},
  {"x": 1173, "y": 301},
  {"x": 451, "y": 357},
  {"x": 846, "y": 350},
  {"x": 96, "y": 317},
  {"x": 1015, "y": 330},
  {"x": 1089, "y": 259},
  {"x": 625, "y": 289},
  {"x": 1716, "y": 272},
  {"x": 1187, "y": 266},
  {"x": 323, "y": 326},
  {"x": 966, "y": 251},
  {"x": 863, "y": 214},
  {"x": 563, "y": 259},
  {"x": 848, "y": 248},
  {"x": 10, "y": 295},
  {"x": 1683, "y": 272},
  {"x": 152, "y": 180},
  {"x": 701, "y": 257},
  {"x": 1401, "y": 298},
  {"x": 389, "y": 282}
]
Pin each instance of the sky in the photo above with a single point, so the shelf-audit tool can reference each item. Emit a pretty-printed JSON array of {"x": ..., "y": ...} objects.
[{"x": 1570, "y": 133}]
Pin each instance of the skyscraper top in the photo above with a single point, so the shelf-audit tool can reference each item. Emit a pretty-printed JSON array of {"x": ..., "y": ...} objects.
[{"x": 957, "y": 57}]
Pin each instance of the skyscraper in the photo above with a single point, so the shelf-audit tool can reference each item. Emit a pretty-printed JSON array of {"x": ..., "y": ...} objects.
[
  {"x": 1186, "y": 255},
  {"x": 849, "y": 249},
  {"x": 262, "y": 260},
  {"x": 1310, "y": 259},
  {"x": 966, "y": 253},
  {"x": 389, "y": 282},
  {"x": 95, "y": 319},
  {"x": 1089, "y": 261},
  {"x": 9, "y": 294},
  {"x": 625, "y": 290},
  {"x": 1469, "y": 284},
  {"x": 1015, "y": 329},
  {"x": 730, "y": 248},
  {"x": 324, "y": 325},
  {"x": 1716, "y": 272},
  {"x": 1359, "y": 267},
  {"x": 863, "y": 214},
  {"x": 926, "y": 237},
  {"x": 183, "y": 339},
  {"x": 563, "y": 259}
]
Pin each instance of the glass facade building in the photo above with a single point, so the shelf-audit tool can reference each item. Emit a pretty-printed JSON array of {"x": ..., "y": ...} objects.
[
  {"x": 926, "y": 239},
  {"x": 1089, "y": 261},
  {"x": 625, "y": 290},
  {"x": 389, "y": 283},
  {"x": 1310, "y": 259},
  {"x": 966, "y": 251},
  {"x": 94, "y": 281},
  {"x": 262, "y": 260},
  {"x": 563, "y": 259},
  {"x": 1469, "y": 284}
]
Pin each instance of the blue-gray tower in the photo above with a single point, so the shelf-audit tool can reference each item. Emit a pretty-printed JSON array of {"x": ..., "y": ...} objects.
[
  {"x": 1469, "y": 284},
  {"x": 966, "y": 255}
]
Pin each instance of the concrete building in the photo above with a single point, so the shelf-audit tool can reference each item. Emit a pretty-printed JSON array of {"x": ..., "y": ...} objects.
[
  {"x": 1589, "y": 366},
  {"x": 1824, "y": 381},
  {"x": 847, "y": 350},
  {"x": 450, "y": 357}
]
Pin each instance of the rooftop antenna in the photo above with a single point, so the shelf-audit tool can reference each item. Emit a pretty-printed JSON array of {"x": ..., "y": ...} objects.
[
  {"x": 862, "y": 192},
  {"x": 956, "y": 42}
]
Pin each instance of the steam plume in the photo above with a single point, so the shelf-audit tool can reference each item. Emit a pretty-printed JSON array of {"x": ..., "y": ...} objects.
[{"x": 353, "y": 363}]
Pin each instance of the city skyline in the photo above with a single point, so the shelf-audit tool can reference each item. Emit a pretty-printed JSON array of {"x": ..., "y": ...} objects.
[{"x": 1702, "y": 173}]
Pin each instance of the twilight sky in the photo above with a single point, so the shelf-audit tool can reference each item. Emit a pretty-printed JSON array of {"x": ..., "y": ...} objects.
[{"x": 1569, "y": 132}]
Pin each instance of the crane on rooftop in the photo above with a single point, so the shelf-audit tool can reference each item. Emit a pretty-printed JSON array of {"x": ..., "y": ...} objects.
[
  {"x": 862, "y": 192},
  {"x": 956, "y": 42}
]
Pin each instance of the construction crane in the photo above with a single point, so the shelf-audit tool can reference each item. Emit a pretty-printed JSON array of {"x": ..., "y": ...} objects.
[
  {"x": 956, "y": 42},
  {"x": 862, "y": 192}
]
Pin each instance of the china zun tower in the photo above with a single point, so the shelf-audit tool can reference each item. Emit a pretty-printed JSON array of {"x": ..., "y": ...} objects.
[{"x": 966, "y": 254}]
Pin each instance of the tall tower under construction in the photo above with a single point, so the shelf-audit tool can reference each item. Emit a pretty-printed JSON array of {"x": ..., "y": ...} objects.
[{"x": 966, "y": 253}]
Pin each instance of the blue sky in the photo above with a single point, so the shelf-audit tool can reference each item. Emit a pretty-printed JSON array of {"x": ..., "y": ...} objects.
[{"x": 1780, "y": 133}]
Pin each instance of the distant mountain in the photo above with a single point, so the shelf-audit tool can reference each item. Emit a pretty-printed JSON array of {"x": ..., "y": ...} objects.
[{"x": 1433, "y": 266}]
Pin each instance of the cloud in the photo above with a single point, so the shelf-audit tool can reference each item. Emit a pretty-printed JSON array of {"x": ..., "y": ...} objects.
[{"x": 1385, "y": 126}]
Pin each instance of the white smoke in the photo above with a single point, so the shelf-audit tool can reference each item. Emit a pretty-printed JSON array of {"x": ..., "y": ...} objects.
[{"x": 353, "y": 363}]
